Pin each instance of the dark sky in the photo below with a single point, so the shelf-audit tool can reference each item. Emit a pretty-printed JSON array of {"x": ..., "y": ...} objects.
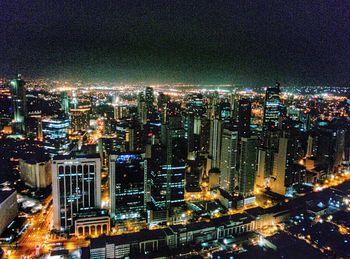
[{"x": 205, "y": 41}]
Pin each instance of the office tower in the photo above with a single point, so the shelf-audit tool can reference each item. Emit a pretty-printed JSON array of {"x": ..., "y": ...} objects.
[
  {"x": 193, "y": 175},
  {"x": 193, "y": 129},
  {"x": 213, "y": 111},
  {"x": 244, "y": 116},
  {"x": 19, "y": 104},
  {"x": 6, "y": 107},
  {"x": 248, "y": 165},
  {"x": 266, "y": 153},
  {"x": 175, "y": 163},
  {"x": 134, "y": 137},
  {"x": 272, "y": 107},
  {"x": 76, "y": 188},
  {"x": 121, "y": 109},
  {"x": 126, "y": 175},
  {"x": 225, "y": 110},
  {"x": 234, "y": 100},
  {"x": 285, "y": 171},
  {"x": 162, "y": 100},
  {"x": 157, "y": 178},
  {"x": 270, "y": 135},
  {"x": 229, "y": 152},
  {"x": 330, "y": 145},
  {"x": 141, "y": 108},
  {"x": 166, "y": 170},
  {"x": 282, "y": 165},
  {"x": 195, "y": 104},
  {"x": 64, "y": 102},
  {"x": 55, "y": 135},
  {"x": 215, "y": 143},
  {"x": 149, "y": 101},
  {"x": 80, "y": 117}
]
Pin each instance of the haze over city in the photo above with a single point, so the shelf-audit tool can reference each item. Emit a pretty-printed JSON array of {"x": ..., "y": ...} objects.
[{"x": 251, "y": 42}]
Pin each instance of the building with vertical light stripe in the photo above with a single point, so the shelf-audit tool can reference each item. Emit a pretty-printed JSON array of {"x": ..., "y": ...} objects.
[{"x": 76, "y": 188}]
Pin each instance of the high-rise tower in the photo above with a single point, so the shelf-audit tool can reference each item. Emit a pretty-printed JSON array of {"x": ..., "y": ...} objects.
[{"x": 19, "y": 104}]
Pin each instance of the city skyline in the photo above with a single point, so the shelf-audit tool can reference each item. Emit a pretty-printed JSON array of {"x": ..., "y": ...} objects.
[{"x": 174, "y": 129}]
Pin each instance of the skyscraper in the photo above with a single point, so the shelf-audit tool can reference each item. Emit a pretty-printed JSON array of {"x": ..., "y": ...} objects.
[
  {"x": 229, "y": 145},
  {"x": 248, "y": 165},
  {"x": 19, "y": 104},
  {"x": 55, "y": 134},
  {"x": 244, "y": 116},
  {"x": 272, "y": 107},
  {"x": 126, "y": 172},
  {"x": 64, "y": 102},
  {"x": 76, "y": 188},
  {"x": 215, "y": 143}
]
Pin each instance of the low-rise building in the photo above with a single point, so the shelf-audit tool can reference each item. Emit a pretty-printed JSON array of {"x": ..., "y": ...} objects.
[
  {"x": 8, "y": 208},
  {"x": 36, "y": 173}
]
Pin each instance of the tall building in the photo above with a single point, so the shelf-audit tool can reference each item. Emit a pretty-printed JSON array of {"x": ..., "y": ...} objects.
[
  {"x": 166, "y": 171},
  {"x": 215, "y": 143},
  {"x": 229, "y": 145},
  {"x": 6, "y": 107},
  {"x": 127, "y": 184},
  {"x": 234, "y": 101},
  {"x": 141, "y": 108},
  {"x": 330, "y": 145},
  {"x": 244, "y": 116},
  {"x": 248, "y": 165},
  {"x": 175, "y": 163},
  {"x": 76, "y": 188},
  {"x": 272, "y": 107},
  {"x": 55, "y": 134},
  {"x": 64, "y": 102},
  {"x": 149, "y": 100},
  {"x": 19, "y": 99},
  {"x": 80, "y": 117},
  {"x": 225, "y": 110}
]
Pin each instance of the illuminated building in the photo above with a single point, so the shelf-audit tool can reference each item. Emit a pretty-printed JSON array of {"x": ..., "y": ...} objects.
[
  {"x": 174, "y": 166},
  {"x": 19, "y": 104},
  {"x": 192, "y": 127},
  {"x": 166, "y": 171},
  {"x": 244, "y": 116},
  {"x": 195, "y": 104},
  {"x": 6, "y": 107},
  {"x": 64, "y": 102},
  {"x": 234, "y": 99},
  {"x": 55, "y": 135},
  {"x": 141, "y": 108},
  {"x": 215, "y": 143},
  {"x": 8, "y": 208},
  {"x": 36, "y": 173},
  {"x": 126, "y": 174},
  {"x": 225, "y": 110},
  {"x": 80, "y": 116},
  {"x": 149, "y": 99},
  {"x": 76, "y": 188},
  {"x": 272, "y": 107},
  {"x": 229, "y": 145},
  {"x": 330, "y": 145},
  {"x": 248, "y": 165}
]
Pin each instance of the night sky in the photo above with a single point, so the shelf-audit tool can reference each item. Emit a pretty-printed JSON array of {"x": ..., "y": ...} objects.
[{"x": 204, "y": 41}]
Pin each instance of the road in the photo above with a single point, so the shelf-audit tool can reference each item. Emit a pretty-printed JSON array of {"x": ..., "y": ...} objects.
[{"x": 36, "y": 234}]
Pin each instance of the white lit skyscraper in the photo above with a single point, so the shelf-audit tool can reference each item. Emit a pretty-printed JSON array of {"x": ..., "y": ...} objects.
[
  {"x": 19, "y": 104},
  {"x": 76, "y": 188}
]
